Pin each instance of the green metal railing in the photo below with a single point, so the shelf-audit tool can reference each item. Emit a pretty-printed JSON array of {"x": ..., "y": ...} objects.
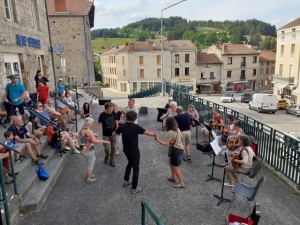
[
  {"x": 155, "y": 217},
  {"x": 3, "y": 201},
  {"x": 70, "y": 87}
]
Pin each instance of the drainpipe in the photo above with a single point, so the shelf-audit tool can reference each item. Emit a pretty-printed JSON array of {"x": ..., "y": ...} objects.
[{"x": 86, "y": 51}]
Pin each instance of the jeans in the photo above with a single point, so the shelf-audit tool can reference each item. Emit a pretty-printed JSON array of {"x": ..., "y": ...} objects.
[
  {"x": 133, "y": 158},
  {"x": 110, "y": 149}
]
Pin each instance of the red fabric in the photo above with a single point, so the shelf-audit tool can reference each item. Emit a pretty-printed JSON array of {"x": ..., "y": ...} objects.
[
  {"x": 245, "y": 86},
  {"x": 43, "y": 91},
  {"x": 235, "y": 86},
  {"x": 219, "y": 119},
  {"x": 6, "y": 162},
  {"x": 43, "y": 101},
  {"x": 49, "y": 133}
]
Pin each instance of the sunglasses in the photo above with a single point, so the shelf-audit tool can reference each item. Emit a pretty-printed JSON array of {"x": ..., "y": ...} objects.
[{"x": 55, "y": 120}]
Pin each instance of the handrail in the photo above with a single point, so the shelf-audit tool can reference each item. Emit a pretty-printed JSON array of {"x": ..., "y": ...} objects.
[
  {"x": 3, "y": 201},
  {"x": 11, "y": 164},
  {"x": 76, "y": 92},
  {"x": 155, "y": 217}
]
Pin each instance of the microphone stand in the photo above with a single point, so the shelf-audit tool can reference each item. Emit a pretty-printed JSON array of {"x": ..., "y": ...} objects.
[{"x": 221, "y": 199}]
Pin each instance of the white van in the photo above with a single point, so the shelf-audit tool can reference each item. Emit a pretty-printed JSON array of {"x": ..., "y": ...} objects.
[{"x": 264, "y": 103}]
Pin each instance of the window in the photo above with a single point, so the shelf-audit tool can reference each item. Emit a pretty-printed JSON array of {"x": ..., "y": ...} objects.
[
  {"x": 254, "y": 59},
  {"x": 203, "y": 76},
  {"x": 144, "y": 85},
  {"x": 229, "y": 60},
  {"x": 124, "y": 60},
  {"x": 266, "y": 82},
  {"x": 229, "y": 74},
  {"x": 8, "y": 10},
  {"x": 158, "y": 73},
  {"x": 176, "y": 58},
  {"x": 158, "y": 59},
  {"x": 134, "y": 86},
  {"x": 268, "y": 63},
  {"x": 124, "y": 73},
  {"x": 293, "y": 33},
  {"x": 212, "y": 75},
  {"x": 291, "y": 71},
  {"x": 254, "y": 72},
  {"x": 187, "y": 71},
  {"x": 272, "y": 70},
  {"x": 243, "y": 75},
  {"x": 141, "y": 60},
  {"x": 262, "y": 71},
  {"x": 176, "y": 71},
  {"x": 207, "y": 66},
  {"x": 292, "y": 50},
  {"x": 150, "y": 84},
  {"x": 260, "y": 83},
  {"x": 267, "y": 71},
  {"x": 142, "y": 75},
  {"x": 40, "y": 64},
  {"x": 187, "y": 58},
  {"x": 280, "y": 69},
  {"x": 124, "y": 87},
  {"x": 282, "y": 51}
]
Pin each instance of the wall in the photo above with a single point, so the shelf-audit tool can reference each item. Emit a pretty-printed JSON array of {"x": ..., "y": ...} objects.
[{"x": 95, "y": 91}]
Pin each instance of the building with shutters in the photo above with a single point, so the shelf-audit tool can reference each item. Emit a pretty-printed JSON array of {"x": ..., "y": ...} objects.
[{"x": 266, "y": 70}]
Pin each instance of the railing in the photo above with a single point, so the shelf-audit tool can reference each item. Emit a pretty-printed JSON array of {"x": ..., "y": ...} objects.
[
  {"x": 155, "y": 217},
  {"x": 69, "y": 87},
  {"x": 147, "y": 93},
  {"x": 3, "y": 201}
]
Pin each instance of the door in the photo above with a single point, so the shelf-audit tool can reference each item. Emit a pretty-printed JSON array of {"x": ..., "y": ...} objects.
[
  {"x": 240, "y": 87},
  {"x": 12, "y": 66}
]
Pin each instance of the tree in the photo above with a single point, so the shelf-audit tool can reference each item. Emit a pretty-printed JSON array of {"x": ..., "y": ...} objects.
[
  {"x": 97, "y": 69},
  {"x": 211, "y": 38},
  {"x": 237, "y": 36}
]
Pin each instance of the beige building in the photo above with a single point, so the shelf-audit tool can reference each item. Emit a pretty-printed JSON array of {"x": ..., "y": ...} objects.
[
  {"x": 208, "y": 76},
  {"x": 70, "y": 27},
  {"x": 239, "y": 68},
  {"x": 287, "y": 70},
  {"x": 266, "y": 70},
  {"x": 24, "y": 42}
]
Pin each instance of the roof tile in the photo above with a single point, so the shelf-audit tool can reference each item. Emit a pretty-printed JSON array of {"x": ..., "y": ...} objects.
[
  {"x": 74, "y": 7},
  {"x": 267, "y": 56},
  {"x": 207, "y": 58},
  {"x": 291, "y": 24}
]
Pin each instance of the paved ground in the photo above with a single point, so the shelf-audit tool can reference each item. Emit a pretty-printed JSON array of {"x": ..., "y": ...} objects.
[{"x": 72, "y": 201}]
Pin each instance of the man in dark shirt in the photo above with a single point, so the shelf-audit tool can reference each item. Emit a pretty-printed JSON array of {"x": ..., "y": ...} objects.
[
  {"x": 130, "y": 136},
  {"x": 109, "y": 124},
  {"x": 184, "y": 125}
]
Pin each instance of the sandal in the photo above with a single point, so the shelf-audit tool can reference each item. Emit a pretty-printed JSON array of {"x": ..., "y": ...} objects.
[
  {"x": 171, "y": 179},
  {"x": 93, "y": 176},
  {"x": 179, "y": 186},
  {"x": 91, "y": 180}
]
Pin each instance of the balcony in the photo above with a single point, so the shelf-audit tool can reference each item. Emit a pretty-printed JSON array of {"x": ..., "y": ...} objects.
[
  {"x": 243, "y": 77},
  {"x": 280, "y": 79},
  {"x": 243, "y": 64}
]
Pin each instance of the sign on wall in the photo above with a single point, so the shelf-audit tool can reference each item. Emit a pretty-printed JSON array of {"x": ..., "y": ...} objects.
[{"x": 28, "y": 41}]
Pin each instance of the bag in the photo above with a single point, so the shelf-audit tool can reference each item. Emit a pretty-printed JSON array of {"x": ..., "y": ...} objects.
[
  {"x": 41, "y": 172},
  {"x": 204, "y": 146},
  {"x": 171, "y": 147}
]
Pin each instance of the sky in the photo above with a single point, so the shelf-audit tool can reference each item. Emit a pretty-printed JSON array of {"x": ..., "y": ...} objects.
[{"x": 119, "y": 13}]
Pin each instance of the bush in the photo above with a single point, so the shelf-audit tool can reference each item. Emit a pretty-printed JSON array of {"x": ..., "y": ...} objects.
[{"x": 106, "y": 84}]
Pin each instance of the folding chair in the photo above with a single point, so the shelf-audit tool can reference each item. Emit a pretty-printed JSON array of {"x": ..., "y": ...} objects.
[
  {"x": 254, "y": 172},
  {"x": 144, "y": 113}
]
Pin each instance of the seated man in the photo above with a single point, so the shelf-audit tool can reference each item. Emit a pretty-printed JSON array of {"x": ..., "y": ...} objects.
[
  {"x": 63, "y": 109},
  {"x": 19, "y": 132}
]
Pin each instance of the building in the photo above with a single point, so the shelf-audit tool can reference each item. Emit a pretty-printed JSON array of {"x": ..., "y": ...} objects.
[
  {"x": 24, "y": 42},
  {"x": 266, "y": 70},
  {"x": 70, "y": 26},
  {"x": 208, "y": 78},
  {"x": 138, "y": 66},
  {"x": 287, "y": 70},
  {"x": 239, "y": 66}
]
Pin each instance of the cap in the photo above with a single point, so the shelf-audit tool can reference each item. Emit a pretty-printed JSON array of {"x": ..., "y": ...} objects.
[
  {"x": 60, "y": 79},
  {"x": 12, "y": 77},
  {"x": 170, "y": 98}
]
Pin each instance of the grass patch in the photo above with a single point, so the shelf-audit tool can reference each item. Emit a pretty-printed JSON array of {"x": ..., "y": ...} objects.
[{"x": 207, "y": 29}]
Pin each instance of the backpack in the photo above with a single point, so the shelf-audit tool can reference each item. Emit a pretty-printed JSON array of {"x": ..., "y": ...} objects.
[{"x": 41, "y": 172}]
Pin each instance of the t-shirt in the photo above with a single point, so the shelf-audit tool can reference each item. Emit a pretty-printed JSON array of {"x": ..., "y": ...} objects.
[
  {"x": 184, "y": 121},
  {"x": 130, "y": 135},
  {"x": 43, "y": 122},
  {"x": 194, "y": 113},
  {"x": 49, "y": 110},
  {"x": 18, "y": 132},
  {"x": 43, "y": 91},
  {"x": 118, "y": 115},
  {"x": 54, "y": 139},
  {"x": 171, "y": 136},
  {"x": 135, "y": 109},
  {"x": 61, "y": 87},
  {"x": 218, "y": 119},
  {"x": 49, "y": 134},
  {"x": 9, "y": 143},
  {"x": 15, "y": 91},
  {"x": 108, "y": 123}
]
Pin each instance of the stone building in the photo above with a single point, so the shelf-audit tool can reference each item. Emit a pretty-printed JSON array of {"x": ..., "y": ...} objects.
[
  {"x": 266, "y": 70},
  {"x": 70, "y": 26},
  {"x": 24, "y": 42}
]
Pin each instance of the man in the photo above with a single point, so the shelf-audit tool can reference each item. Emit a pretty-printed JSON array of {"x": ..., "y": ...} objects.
[
  {"x": 130, "y": 136},
  {"x": 61, "y": 86},
  {"x": 131, "y": 107},
  {"x": 14, "y": 93},
  {"x": 63, "y": 109},
  {"x": 109, "y": 124},
  {"x": 184, "y": 121},
  {"x": 19, "y": 132}
]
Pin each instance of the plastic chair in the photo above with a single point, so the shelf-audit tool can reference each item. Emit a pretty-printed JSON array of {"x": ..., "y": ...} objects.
[
  {"x": 246, "y": 192},
  {"x": 144, "y": 113}
]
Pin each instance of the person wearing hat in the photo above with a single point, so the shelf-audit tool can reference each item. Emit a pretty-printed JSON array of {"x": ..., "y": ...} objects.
[
  {"x": 14, "y": 94},
  {"x": 170, "y": 99},
  {"x": 61, "y": 85}
]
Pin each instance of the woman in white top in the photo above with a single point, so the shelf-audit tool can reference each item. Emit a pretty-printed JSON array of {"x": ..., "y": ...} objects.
[
  {"x": 68, "y": 99},
  {"x": 245, "y": 164}
]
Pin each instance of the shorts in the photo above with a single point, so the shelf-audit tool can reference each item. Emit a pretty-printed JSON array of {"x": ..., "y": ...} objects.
[
  {"x": 176, "y": 155},
  {"x": 90, "y": 159},
  {"x": 19, "y": 144},
  {"x": 12, "y": 109},
  {"x": 187, "y": 134},
  {"x": 43, "y": 100},
  {"x": 56, "y": 145}
]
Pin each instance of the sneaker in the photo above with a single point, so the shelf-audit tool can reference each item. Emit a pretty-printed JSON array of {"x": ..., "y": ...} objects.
[
  {"x": 41, "y": 156},
  {"x": 105, "y": 159},
  {"x": 17, "y": 160},
  {"x": 117, "y": 152},
  {"x": 76, "y": 151},
  {"x": 42, "y": 141},
  {"x": 8, "y": 179},
  {"x": 137, "y": 190},
  {"x": 228, "y": 185},
  {"x": 126, "y": 183},
  {"x": 189, "y": 158},
  {"x": 184, "y": 159},
  {"x": 73, "y": 119},
  {"x": 22, "y": 157},
  {"x": 112, "y": 164},
  {"x": 37, "y": 162},
  {"x": 68, "y": 148},
  {"x": 91, "y": 180}
]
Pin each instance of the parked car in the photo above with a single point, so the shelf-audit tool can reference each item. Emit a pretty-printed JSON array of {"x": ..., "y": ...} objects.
[
  {"x": 293, "y": 109},
  {"x": 246, "y": 97},
  {"x": 283, "y": 104},
  {"x": 227, "y": 98},
  {"x": 264, "y": 103}
]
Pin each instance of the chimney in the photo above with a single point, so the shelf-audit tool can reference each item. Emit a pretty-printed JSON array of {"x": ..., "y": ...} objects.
[
  {"x": 224, "y": 48},
  {"x": 60, "y": 5},
  {"x": 150, "y": 46},
  {"x": 126, "y": 43},
  {"x": 131, "y": 47}
]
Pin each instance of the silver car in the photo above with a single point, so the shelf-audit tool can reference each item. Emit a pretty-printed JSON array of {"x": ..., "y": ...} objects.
[{"x": 293, "y": 109}]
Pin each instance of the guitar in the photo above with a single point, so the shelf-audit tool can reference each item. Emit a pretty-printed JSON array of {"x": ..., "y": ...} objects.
[{"x": 237, "y": 156}]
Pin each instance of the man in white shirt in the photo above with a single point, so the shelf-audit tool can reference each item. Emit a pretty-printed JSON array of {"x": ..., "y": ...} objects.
[
  {"x": 63, "y": 109},
  {"x": 131, "y": 107}
]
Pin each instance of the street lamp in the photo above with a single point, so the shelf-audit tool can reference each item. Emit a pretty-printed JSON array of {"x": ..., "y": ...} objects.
[{"x": 161, "y": 43}]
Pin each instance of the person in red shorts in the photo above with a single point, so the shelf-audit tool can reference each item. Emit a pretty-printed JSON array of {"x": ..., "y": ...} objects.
[{"x": 42, "y": 92}]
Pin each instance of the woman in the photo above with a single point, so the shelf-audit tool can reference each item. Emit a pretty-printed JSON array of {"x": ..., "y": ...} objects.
[
  {"x": 37, "y": 77},
  {"x": 230, "y": 132},
  {"x": 68, "y": 99},
  {"x": 87, "y": 140},
  {"x": 53, "y": 113},
  {"x": 218, "y": 118},
  {"x": 86, "y": 110},
  {"x": 175, "y": 145},
  {"x": 245, "y": 164},
  {"x": 194, "y": 114},
  {"x": 40, "y": 110},
  {"x": 170, "y": 99},
  {"x": 38, "y": 130},
  {"x": 171, "y": 111}
]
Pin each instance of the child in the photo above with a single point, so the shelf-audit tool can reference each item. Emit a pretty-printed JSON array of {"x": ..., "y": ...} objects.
[
  {"x": 42, "y": 92},
  {"x": 57, "y": 140},
  {"x": 9, "y": 141}
]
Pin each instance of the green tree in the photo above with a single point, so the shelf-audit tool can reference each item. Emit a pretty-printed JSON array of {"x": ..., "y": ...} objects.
[
  {"x": 237, "y": 36},
  {"x": 211, "y": 38},
  {"x": 97, "y": 69}
]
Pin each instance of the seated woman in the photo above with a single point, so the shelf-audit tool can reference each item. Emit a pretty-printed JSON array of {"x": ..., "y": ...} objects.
[
  {"x": 193, "y": 113},
  {"x": 39, "y": 109},
  {"x": 53, "y": 113},
  {"x": 38, "y": 130},
  {"x": 230, "y": 130},
  {"x": 170, "y": 99},
  {"x": 245, "y": 164},
  {"x": 170, "y": 113},
  {"x": 68, "y": 99},
  {"x": 86, "y": 110}
]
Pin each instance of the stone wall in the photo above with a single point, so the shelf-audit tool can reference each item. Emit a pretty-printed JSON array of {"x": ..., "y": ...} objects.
[{"x": 95, "y": 91}]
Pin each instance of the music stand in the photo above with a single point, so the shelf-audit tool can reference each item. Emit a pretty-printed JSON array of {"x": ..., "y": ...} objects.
[
  {"x": 197, "y": 123},
  {"x": 161, "y": 111},
  {"x": 221, "y": 199}
]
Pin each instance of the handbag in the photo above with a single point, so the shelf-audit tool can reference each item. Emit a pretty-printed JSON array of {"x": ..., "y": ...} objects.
[{"x": 171, "y": 147}]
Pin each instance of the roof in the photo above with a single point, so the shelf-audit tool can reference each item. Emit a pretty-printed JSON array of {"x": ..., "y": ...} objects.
[
  {"x": 73, "y": 7},
  {"x": 238, "y": 49},
  {"x": 267, "y": 56},
  {"x": 113, "y": 50},
  {"x": 207, "y": 58},
  {"x": 294, "y": 23}
]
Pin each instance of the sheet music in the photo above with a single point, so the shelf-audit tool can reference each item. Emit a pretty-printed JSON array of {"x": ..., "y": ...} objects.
[
  {"x": 214, "y": 134},
  {"x": 215, "y": 146}
]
